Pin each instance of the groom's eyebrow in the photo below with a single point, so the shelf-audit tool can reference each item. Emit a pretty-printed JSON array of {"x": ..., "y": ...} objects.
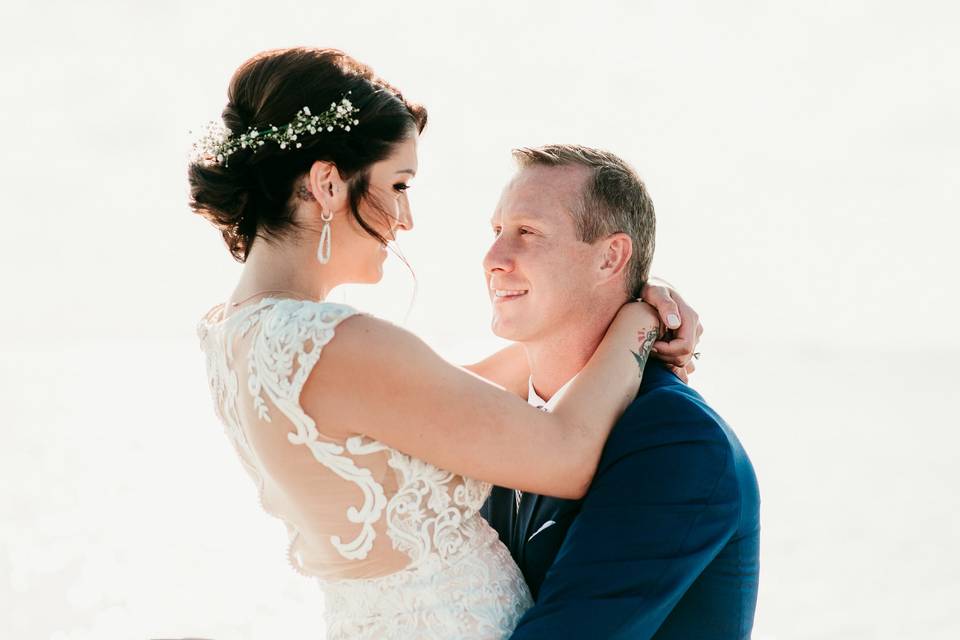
[{"x": 525, "y": 217}]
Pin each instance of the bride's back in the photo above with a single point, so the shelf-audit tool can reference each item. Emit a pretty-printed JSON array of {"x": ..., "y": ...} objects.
[{"x": 354, "y": 508}]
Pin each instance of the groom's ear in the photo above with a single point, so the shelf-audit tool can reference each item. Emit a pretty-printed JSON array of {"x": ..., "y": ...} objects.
[{"x": 616, "y": 251}]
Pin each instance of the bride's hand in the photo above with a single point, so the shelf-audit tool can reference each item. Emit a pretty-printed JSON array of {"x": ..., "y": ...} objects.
[{"x": 678, "y": 346}]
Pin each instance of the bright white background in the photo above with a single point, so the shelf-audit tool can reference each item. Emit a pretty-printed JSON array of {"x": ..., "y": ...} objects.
[{"x": 803, "y": 158}]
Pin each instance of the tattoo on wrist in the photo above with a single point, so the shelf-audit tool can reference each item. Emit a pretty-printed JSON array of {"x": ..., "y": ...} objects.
[{"x": 646, "y": 341}]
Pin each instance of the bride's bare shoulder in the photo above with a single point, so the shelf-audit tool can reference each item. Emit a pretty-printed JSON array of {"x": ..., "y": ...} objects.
[
  {"x": 364, "y": 341},
  {"x": 368, "y": 363}
]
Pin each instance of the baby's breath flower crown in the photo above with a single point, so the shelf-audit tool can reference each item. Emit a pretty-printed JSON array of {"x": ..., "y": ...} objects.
[{"x": 217, "y": 143}]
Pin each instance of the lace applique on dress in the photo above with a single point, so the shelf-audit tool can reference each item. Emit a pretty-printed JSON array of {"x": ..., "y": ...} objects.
[
  {"x": 418, "y": 531},
  {"x": 439, "y": 571}
]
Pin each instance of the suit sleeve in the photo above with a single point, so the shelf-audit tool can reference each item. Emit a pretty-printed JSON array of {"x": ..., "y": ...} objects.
[{"x": 663, "y": 504}]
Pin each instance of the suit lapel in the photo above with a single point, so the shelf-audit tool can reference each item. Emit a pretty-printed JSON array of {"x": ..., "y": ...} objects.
[{"x": 527, "y": 520}]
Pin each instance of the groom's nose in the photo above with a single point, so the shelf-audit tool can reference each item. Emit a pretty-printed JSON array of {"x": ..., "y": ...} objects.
[{"x": 498, "y": 257}]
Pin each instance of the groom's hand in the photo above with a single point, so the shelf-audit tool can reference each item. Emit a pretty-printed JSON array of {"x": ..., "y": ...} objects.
[{"x": 679, "y": 344}]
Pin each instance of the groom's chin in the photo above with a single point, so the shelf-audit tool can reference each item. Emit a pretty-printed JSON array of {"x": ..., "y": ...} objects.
[{"x": 503, "y": 328}]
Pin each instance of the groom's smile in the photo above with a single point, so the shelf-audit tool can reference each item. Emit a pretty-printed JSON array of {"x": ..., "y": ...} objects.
[{"x": 506, "y": 295}]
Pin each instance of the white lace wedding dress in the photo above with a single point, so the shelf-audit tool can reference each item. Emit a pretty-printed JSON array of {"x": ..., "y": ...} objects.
[{"x": 396, "y": 544}]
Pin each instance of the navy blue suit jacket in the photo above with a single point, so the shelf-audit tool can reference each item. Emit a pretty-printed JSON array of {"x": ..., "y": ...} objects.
[{"x": 664, "y": 545}]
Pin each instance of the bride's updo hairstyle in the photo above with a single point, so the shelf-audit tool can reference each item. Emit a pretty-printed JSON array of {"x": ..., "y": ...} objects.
[{"x": 249, "y": 195}]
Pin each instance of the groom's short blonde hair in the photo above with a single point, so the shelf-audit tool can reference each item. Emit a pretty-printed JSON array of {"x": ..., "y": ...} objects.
[{"x": 614, "y": 200}]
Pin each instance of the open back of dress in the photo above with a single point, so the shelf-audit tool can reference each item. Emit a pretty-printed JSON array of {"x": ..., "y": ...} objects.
[{"x": 396, "y": 543}]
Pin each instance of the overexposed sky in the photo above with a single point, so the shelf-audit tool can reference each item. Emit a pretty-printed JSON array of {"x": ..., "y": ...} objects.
[{"x": 803, "y": 157}]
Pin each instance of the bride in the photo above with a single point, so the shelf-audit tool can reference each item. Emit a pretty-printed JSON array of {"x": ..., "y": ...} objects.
[{"x": 375, "y": 452}]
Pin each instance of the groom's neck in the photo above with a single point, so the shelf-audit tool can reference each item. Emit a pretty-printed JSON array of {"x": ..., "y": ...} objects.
[{"x": 558, "y": 357}]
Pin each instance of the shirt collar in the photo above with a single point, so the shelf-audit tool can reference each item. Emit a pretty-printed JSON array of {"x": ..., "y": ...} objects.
[{"x": 547, "y": 405}]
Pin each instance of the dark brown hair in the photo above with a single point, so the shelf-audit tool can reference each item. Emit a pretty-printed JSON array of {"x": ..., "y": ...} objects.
[
  {"x": 614, "y": 200},
  {"x": 251, "y": 196}
]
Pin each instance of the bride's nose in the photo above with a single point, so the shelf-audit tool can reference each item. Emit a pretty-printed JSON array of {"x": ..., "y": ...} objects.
[{"x": 405, "y": 218}]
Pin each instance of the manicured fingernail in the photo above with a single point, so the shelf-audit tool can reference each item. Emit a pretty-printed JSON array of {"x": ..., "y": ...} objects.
[{"x": 673, "y": 321}]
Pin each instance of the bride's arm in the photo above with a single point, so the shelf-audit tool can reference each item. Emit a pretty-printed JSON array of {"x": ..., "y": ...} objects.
[
  {"x": 510, "y": 368},
  {"x": 377, "y": 379}
]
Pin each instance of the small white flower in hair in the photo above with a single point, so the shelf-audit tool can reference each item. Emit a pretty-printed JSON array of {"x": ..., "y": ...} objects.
[{"x": 218, "y": 143}]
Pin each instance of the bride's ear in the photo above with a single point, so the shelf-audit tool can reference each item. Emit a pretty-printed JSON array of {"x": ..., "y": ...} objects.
[{"x": 327, "y": 187}]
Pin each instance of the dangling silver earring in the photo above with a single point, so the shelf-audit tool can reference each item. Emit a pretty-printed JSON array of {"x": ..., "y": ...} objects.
[{"x": 323, "y": 251}]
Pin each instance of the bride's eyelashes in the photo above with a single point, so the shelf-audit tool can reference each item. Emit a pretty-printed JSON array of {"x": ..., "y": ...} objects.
[{"x": 400, "y": 187}]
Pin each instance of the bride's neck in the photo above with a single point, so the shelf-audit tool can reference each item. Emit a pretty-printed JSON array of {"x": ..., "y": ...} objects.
[{"x": 288, "y": 266}]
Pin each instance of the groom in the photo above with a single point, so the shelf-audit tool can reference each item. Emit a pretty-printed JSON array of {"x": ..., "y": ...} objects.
[{"x": 665, "y": 543}]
